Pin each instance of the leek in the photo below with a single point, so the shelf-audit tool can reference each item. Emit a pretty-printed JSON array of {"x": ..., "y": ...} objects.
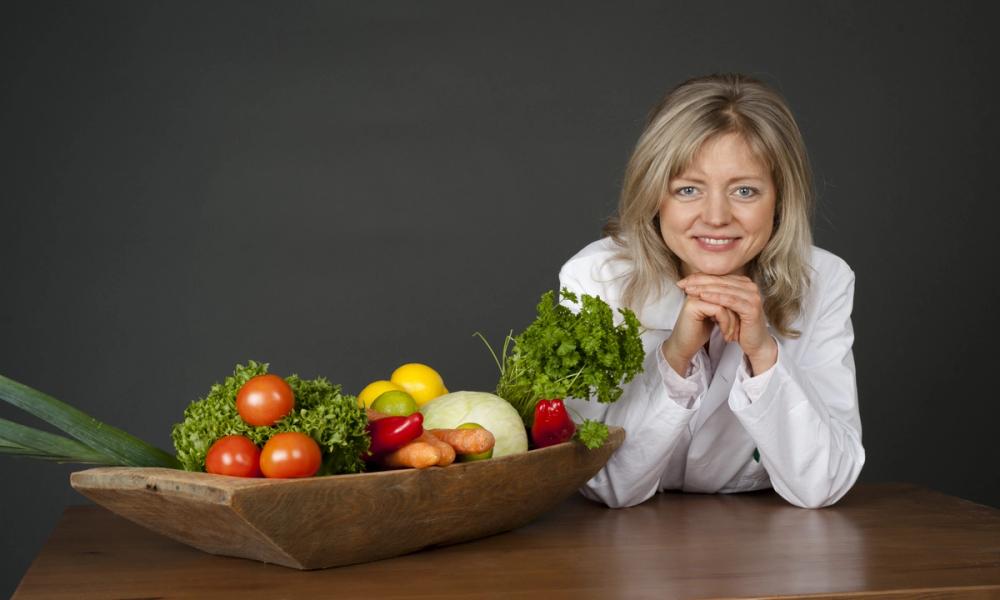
[
  {"x": 101, "y": 443},
  {"x": 18, "y": 440}
]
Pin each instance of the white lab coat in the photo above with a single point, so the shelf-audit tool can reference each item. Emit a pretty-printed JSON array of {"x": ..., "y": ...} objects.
[{"x": 698, "y": 433}]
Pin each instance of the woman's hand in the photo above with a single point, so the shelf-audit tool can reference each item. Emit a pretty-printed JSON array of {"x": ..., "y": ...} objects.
[
  {"x": 694, "y": 327},
  {"x": 740, "y": 295}
]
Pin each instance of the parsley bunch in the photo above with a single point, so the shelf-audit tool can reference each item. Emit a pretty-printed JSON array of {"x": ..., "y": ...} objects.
[
  {"x": 567, "y": 354},
  {"x": 333, "y": 419}
]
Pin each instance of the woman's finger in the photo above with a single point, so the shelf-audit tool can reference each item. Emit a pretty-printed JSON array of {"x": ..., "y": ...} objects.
[
  {"x": 704, "y": 279},
  {"x": 728, "y": 321},
  {"x": 740, "y": 302},
  {"x": 736, "y": 283},
  {"x": 735, "y": 335},
  {"x": 725, "y": 321},
  {"x": 741, "y": 306},
  {"x": 696, "y": 290}
]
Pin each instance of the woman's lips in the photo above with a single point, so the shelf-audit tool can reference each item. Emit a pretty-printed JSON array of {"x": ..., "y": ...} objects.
[{"x": 716, "y": 244}]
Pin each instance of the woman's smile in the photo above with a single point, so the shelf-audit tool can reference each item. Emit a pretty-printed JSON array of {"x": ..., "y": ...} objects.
[{"x": 717, "y": 244}]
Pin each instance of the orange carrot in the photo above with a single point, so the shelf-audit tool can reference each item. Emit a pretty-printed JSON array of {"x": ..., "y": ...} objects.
[
  {"x": 466, "y": 441},
  {"x": 416, "y": 455},
  {"x": 447, "y": 452}
]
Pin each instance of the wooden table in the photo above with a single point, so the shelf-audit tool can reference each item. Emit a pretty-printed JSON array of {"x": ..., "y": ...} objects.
[{"x": 881, "y": 541}]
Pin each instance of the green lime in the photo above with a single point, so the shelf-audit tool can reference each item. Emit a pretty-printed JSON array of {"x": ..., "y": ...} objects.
[
  {"x": 478, "y": 456},
  {"x": 395, "y": 403}
]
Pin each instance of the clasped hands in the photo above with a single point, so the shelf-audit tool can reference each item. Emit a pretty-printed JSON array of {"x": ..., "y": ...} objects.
[{"x": 735, "y": 304}]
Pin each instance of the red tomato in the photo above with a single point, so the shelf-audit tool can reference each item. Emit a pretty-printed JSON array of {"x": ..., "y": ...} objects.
[
  {"x": 290, "y": 454},
  {"x": 233, "y": 455},
  {"x": 264, "y": 400}
]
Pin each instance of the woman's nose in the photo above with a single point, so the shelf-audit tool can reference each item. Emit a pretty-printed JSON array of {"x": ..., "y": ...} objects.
[{"x": 716, "y": 209}]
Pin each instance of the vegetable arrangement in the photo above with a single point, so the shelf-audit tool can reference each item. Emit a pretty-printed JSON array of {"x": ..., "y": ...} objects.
[
  {"x": 256, "y": 423},
  {"x": 390, "y": 433},
  {"x": 307, "y": 427},
  {"x": 402, "y": 441},
  {"x": 317, "y": 410},
  {"x": 566, "y": 354}
]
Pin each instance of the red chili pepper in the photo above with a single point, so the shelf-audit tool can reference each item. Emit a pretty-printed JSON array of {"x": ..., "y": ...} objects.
[
  {"x": 392, "y": 433},
  {"x": 552, "y": 424}
]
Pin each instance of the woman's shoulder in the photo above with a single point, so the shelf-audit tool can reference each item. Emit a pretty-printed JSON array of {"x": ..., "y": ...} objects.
[
  {"x": 831, "y": 285},
  {"x": 828, "y": 270},
  {"x": 598, "y": 268},
  {"x": 596, "y": 251},
  {"x": 602, "y": 269}
]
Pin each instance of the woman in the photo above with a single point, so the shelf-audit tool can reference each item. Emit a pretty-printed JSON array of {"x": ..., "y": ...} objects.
[{"x": 749, "y": 379}]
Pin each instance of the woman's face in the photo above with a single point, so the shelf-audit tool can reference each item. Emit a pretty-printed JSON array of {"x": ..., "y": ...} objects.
[{"x": 718, "y": 214}]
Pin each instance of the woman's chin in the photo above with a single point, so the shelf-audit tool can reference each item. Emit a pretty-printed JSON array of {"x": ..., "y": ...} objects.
[{"x": 720, "y": 269}]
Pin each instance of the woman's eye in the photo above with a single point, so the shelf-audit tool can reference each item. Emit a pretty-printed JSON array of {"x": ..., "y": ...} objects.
[
  {"x": 687, "y": 190},
  {"x": 745, "y": 191}
]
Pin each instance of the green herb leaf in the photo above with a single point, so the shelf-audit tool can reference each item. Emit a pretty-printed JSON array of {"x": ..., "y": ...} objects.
[
  {"x": 592, "y": 434},
  {"x": 567, "y": 354}
]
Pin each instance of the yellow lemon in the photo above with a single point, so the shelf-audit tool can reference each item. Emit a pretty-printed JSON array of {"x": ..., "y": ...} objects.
[
  {"x": 421, "y": 381},
  {"x": 374, "y": 390}
]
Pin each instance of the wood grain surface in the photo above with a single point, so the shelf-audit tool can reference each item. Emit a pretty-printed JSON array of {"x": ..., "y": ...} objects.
[
  {"x": 882, "y": 541},
  {"x": 321, "y": 522}
]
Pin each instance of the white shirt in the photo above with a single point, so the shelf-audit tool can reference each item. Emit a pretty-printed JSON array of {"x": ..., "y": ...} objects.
[{"x": 699, "y": 433}]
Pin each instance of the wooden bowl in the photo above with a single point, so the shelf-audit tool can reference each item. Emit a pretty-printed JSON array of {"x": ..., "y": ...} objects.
[{"x": 337, "y": 520}]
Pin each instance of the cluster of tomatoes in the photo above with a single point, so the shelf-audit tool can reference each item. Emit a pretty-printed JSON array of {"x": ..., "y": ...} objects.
[{"x": 263, "y": 401}]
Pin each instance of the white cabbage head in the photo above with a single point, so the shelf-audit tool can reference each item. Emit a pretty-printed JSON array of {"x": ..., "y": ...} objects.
[{"x": 492, "y": 412}]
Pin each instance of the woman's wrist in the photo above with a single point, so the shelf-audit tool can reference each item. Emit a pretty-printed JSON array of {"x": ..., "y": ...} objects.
[
  {"x": 763, "y": 359},
  {"x": 677, "y": 362}
]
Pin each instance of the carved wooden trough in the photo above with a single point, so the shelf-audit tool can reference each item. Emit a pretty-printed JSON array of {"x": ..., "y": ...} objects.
[{"x": 337, "y": 520}]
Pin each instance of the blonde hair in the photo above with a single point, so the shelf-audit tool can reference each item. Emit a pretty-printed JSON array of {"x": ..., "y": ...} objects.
[{"x": 691, "y": 114}]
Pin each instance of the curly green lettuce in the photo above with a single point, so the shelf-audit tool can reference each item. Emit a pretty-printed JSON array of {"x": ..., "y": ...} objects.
[{"x": 333, "y": 419}]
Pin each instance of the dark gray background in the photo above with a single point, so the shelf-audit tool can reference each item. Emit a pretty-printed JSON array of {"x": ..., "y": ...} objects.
[{"x": 341, "y": 188}]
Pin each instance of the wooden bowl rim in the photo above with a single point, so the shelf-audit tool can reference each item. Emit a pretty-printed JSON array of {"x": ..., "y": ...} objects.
[{"x": 229, "y": 483}]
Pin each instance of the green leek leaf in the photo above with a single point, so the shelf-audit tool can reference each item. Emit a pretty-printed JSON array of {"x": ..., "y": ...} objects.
[
  {"x": 28, "y": 442},
  {"x": 119, "y": 447}
]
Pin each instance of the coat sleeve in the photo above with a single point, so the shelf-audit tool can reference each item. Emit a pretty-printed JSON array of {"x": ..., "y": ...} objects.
[
  {"x": 803, "y": 414},
  {"x": 653, "y": 414}
]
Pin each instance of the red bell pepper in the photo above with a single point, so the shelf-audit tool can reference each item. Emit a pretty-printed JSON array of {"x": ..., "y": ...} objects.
[
  {"x": 552, "y": 424},
  {"x": 392, "y": 433}
]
